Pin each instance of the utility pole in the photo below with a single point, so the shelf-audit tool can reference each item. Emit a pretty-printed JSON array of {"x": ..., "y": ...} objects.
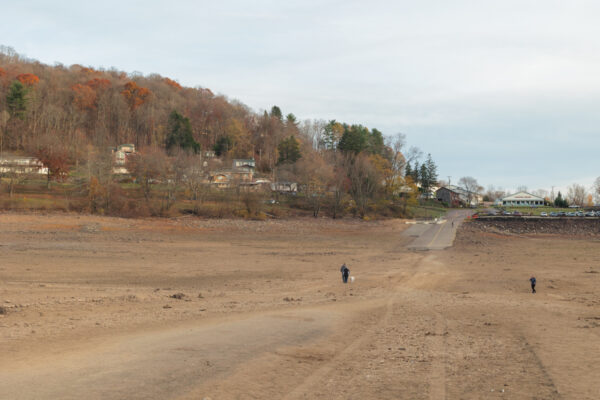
[{"x": 449, "y": 180}]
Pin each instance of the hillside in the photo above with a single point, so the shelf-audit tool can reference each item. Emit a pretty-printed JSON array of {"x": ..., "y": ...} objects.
[{"x": 74, "y": 118}]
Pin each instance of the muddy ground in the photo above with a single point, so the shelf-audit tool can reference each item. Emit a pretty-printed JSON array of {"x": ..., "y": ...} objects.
[{"x": 104, "y": 308}]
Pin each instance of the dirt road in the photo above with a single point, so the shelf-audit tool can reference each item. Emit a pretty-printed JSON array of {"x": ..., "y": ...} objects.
[
  {"x": 107, "y": 308},
  {"x": 436, "y": 235}
]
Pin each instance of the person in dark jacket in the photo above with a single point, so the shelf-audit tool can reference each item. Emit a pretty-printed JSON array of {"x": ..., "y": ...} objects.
[
  {"x": 532, "y": 280},
  {"x": 345, "y": 272}
]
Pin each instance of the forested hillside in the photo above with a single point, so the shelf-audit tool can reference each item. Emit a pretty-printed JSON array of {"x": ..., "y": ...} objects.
[{"x": 69, "y": 116}]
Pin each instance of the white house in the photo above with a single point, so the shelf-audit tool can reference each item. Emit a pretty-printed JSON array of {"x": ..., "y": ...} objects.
[
  {"x": 21, "y": 165},
  {"x": 121, "y": 153},
  {"x": 522, "y": 199}
]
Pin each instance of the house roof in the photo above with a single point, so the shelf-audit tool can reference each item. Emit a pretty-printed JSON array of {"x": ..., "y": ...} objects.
[
  {"x": 456, "y": 189},
  {"x": 522, "y": 196}
]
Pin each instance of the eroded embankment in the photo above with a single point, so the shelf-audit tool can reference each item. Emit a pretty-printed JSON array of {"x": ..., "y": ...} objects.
[{"x": 561, "y": 226}]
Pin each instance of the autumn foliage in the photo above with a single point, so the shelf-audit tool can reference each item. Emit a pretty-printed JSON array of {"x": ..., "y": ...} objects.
[
  {"x": 98, "y": 84},
  {"x": 84, "y": 97},
  {"x": 172, "y": 83},
  {"x": 135, "y": 95},
  {"x": 65, "y": 115},
  {"x": 57, "y": 160},
  {"x": 28, "y": 79}
]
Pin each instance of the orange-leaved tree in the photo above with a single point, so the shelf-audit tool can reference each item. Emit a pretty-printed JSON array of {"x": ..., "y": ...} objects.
[
  {"x": 135, "y": 95},
  {"x": 28, "y": 79},
  {"x": 57, "y": 160},
  {"x": 172, "y": 83},
  {"x": 98, "y": 83},
  {"x": 84, "y": 97}
]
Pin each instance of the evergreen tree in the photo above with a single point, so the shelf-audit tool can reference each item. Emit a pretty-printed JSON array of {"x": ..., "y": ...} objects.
[
  {"x": 179, "y": 133},
  {"x": 289, "y": 150},
  {"x": 375, "y": 142},
  {"x": 408, "y": 170},
  {"x": 291, "y": 120},
  {"x": 355, "y": 139},
  {"x": 424, "y": 176},
  {"x": 16, "y": 100},
  {"x": 276, "y": 113},
  {"x": 428, "y": 174},
  {"x": 416, "y": 173},
  {"x": 223, "y": 145},
  {"x": 560, "y": 202},
  {"x": 329, "y": 140}
]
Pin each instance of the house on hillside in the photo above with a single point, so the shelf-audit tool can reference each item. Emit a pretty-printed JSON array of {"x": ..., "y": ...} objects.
[
  {"x": 522, "y": 199},
  {"x": 220, "y": 180},
  {"x": 120, "y": 154},
  {"x": 284, "y": 187},
  {"x": 456, "y": 196},
  {"x": 227, "y": 177},
  {"x": 259, "y": 185},
  {"x": 21, "y": 165},
  {"x": 244, "y": 163}
]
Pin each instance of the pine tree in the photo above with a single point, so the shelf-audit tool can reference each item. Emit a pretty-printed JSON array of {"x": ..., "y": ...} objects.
[
  {"x": 223, "y": 145},
  {"x": 416, "y": 173},
  {"x": 408, "y": 170},
  {"x": 428, "y": 174},
  {"x": 289, "y": 150},
  {"x": 424, "y": 175},
  {"x": 16, "y": 100},
  {"x": 560, "y": 202},
  {"x": 180, "y": 133},
  {"x": 375, "y": 142},
  {"x": 355, "y": 139},
  {"x": 276, "y": 113}
]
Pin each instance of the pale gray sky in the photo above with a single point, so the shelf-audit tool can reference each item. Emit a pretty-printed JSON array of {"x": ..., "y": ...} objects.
[{"x": 504, "y": 91}]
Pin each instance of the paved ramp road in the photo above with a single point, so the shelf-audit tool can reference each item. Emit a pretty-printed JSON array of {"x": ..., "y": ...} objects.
[
  {"x": 160, "y": 365},
  {"x": 436, "y": 236}
]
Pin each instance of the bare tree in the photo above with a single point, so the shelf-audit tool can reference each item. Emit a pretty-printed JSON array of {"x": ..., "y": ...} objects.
[
  {"x": 99, "y": 170},
  {"x": 576, "y": 194},
  {"x": 471, "y": 186},
  {"x": 413, "y": 154},
  {"x": 543, "y": 193},
  {"x": 192, "y": 171},
  {"x": 314, "y": 174},
  {"x": 339, "y": 184},
  {"x": 364, "y": 180},
  {"x": 148, "y": 166},
  {"x": 494, "y": 193},
  {"x": 521, "y": 188},
  {"x": 596, "y": 188}
]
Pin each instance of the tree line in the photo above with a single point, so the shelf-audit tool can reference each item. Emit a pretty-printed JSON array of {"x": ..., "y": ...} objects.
[{"x": 69, "y": 116}]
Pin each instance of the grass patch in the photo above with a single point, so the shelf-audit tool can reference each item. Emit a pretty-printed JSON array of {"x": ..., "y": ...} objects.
[
  {"x": 538, "y": 210},
  {"x": 426, "y": 211}
]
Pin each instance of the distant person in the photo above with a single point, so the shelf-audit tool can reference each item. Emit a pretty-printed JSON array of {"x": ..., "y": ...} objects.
[
  {"x": 345, "y": 272},
  {"x": 532, "y": 280}
]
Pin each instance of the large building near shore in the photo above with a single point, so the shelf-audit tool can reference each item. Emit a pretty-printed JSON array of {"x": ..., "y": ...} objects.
[{"x": 522, "y": 199}]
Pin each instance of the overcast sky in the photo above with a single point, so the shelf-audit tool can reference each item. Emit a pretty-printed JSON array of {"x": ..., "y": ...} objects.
[{"x": 505, "y": 91}]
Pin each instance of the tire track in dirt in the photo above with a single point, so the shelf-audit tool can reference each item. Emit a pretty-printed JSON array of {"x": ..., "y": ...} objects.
[
  {"x": 437, "y": 378},
  {"x": 549, "y": 382},
  {"x": 325, "y": 371}
]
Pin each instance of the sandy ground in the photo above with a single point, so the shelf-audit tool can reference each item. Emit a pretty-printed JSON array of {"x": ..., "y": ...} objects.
[{"x": 259, "y": 311}]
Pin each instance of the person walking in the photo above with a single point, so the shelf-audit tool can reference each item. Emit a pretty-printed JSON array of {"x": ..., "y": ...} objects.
[
  {"x": 532, "y": 280},
  {"x": 345, "y": 272}
]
